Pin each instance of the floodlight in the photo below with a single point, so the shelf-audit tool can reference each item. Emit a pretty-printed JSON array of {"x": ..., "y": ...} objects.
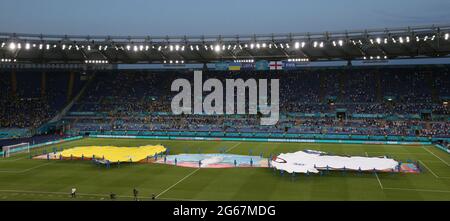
[
  {"x": 217, "y": 48},
  {"x": 12, "y": 46}
]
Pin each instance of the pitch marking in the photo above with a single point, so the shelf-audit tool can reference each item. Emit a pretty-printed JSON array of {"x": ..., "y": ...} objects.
[
  {"x": 376, "y": 175},
  {"x": 417, "y": 190},
  {"x": 436, "y": 156},
  {"x": 232, "y": 147},
  {"x": 428, "y": 169},
  {"x": 179, "y": 181},
  {"x": 25, "y": 170}
]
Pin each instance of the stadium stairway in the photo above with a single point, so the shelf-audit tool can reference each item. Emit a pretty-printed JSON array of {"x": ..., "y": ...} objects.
[{"x": 72, "y": 102}]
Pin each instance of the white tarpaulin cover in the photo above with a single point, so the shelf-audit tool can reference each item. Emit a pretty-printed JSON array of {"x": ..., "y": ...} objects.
[{"x": 312, "y": 161}]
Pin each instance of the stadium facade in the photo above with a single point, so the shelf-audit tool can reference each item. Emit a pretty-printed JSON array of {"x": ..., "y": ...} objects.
[{"x": 120, "y": 85}]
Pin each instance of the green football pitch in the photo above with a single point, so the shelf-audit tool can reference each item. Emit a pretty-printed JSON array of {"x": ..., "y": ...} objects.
[{"x": 22, "y": 178}]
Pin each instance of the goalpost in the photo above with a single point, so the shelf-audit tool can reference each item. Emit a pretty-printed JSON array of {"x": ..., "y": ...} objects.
[{"x": 16, "y": 148}]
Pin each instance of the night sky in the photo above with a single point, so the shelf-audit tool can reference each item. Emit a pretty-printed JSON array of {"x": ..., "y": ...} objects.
[{"x": 197, "y": 17}]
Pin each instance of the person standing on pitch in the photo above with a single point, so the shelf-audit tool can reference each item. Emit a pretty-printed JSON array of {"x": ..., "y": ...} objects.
[
  {"x": 135, "y": 193},
  {"x": 74, "y": 192}
]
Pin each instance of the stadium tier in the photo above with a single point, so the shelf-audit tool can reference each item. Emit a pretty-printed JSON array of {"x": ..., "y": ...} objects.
[{"x": 376, "y": 102}]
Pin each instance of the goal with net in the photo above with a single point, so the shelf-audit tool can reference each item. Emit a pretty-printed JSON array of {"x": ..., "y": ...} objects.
[{"x": 16, "y": 148}]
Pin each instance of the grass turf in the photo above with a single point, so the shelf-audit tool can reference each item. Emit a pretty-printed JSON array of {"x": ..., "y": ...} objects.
[{"x": 22, "y": 178}]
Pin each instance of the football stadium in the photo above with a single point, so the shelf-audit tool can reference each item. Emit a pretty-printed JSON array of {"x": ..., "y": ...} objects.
[{"x": 350, "y": 115}]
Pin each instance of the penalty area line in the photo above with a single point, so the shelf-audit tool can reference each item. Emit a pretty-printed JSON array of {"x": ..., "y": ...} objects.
[
  {"x": 428, "y": 169},
  {"x": 179, "y": 181},
  {"x": 25, "y": 170},
  {"x": 436, "y": 156}
]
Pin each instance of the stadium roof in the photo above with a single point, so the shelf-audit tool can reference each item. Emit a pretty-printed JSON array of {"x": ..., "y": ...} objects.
[{"x": 408, "y": 42}]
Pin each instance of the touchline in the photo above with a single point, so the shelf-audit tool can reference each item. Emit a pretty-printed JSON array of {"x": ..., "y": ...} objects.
[{"x": 212, "y": 104}]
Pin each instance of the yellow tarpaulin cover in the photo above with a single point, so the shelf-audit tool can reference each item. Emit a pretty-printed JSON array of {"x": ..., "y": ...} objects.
[{"x": 115, "y": 154}]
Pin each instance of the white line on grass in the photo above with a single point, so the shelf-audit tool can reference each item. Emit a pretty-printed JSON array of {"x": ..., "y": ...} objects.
[
  {"x": 91, "y": 195},
  {"x": 13, "y": 159},
  {"x": 178, "y": 199},
  {"x": 428, "y": 169},
  {"x": 25, "y": 170},
  {"x": 436, "y": 156},
  {"x": 179, "y": 181},
  {"x": 232, "y": 147},
  {"x": 376, "y": 175},
  {"x": 417, "y": 190}
]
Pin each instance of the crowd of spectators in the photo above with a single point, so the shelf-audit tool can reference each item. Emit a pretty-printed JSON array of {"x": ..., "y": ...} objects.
[{"x": 142, "y": 101}]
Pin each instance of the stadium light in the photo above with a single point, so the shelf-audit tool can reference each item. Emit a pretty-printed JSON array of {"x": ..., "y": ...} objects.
[
  {"x": 135, "y": 48},
  {"x": 379, "y": 40},
  {"x": 197, "y": 48},
  {"x": 264, "y": 45},
  {"x": 297, "y": 45},
  {"x": 400, "y": 40},
  {"x": 217, "y": 48},
  {"x": 341, "y": 43},
  {"x": 258, "y": 45},
  {"x": 88, "y": 47},
  {"x": 252, "y": 46},
  {"x": 64, "y": 47},
  {"x": 315, "y": 44},
  {"x": 12, "y": 46},
  {"x": 446, "y": 36},
  {"x": 433, "y": 37},
  {"x": 27, "y": 46},
  {"x": 3, "y": 44},
  {"x": 334, "y": 43},
  {"x": 321, "y": 44},
  {"x": 407, "y": 39},
  {"x": 128, "y": 47}
]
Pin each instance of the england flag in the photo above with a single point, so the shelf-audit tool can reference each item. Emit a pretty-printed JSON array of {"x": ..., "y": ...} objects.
[{"x": 276, "y": 65}]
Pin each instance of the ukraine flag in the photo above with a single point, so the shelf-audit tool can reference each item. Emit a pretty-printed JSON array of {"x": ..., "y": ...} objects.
[{"x": 234, "y": 66}]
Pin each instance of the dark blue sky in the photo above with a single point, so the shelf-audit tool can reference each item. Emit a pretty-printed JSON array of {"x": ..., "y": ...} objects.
[{"x": 196, "y": 17}]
